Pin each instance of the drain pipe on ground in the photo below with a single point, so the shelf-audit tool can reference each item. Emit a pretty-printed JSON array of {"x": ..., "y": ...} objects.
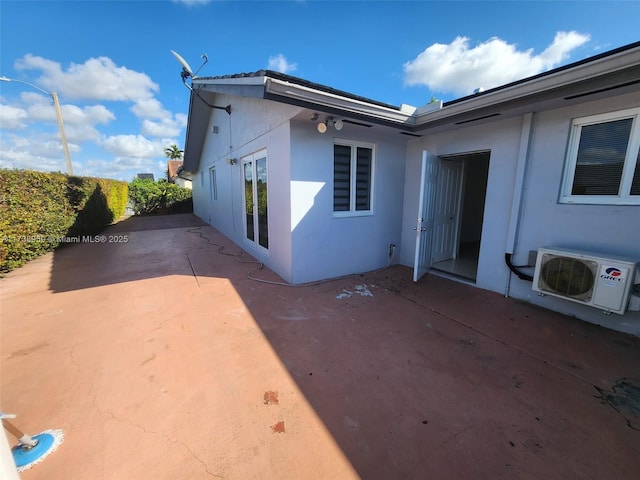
[{"x": 516, "y": 203}]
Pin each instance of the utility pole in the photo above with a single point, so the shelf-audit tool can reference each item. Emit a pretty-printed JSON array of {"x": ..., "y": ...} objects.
[
  {"x": 65, "y": 147},
  {"x": 56, "y": 104}
]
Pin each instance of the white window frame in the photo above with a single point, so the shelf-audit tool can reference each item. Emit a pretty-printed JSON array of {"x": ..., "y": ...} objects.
[
  {"x": 213, "y": 177},
  {"x": 253, "y": 158},
  {"x": 624, "y": 196},
  {"x": 352, "y": 212}
]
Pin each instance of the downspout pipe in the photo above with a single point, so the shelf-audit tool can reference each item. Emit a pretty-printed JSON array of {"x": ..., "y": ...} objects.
[{"x": 516, "y": 203}]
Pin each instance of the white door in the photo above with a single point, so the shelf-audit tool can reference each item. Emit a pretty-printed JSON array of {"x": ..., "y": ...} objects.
[
  {"x": 447, "y": 211},
  {"x": 256, "y": 227},
  {"x": 425, "y": 221}
]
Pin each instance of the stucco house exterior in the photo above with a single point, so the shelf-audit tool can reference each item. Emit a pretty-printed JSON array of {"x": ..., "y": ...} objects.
[
  {"x": 319, "y": 183},
  {"x": 177, "y": 175}
]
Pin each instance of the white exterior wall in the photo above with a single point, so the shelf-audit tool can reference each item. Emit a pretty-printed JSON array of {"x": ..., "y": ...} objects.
[
  {"x": 607, "y": 229},
  {"x": 256, "y": 125},
  {"x": 503, "y": 140},
  {"x": 181, "y": 182},
  {"x": 324, "y": 246}
]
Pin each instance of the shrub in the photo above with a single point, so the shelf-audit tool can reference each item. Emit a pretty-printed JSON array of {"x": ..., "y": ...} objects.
[
  {"x": 152, "y": 198},
  {"x": 37, "y": 209}
]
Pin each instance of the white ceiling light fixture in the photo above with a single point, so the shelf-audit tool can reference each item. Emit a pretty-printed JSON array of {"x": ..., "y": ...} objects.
[{"x": 338, "y": 124}]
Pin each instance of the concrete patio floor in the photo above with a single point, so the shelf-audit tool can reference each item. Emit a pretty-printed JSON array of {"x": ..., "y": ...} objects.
[{"x": 160, "y": 358}]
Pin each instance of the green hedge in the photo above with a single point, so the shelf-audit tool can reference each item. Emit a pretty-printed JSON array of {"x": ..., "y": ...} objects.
[
  {"x": 38, "y": 210},
  {"x": 152, "y": 198}
]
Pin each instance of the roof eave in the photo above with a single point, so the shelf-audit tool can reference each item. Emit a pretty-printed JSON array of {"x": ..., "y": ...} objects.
[
  {"x": 285, "y": 89},
  {"x": 539, "y": 84},
  {"x": 196, "y": 131},
  {"x": 301, "y": 95}
]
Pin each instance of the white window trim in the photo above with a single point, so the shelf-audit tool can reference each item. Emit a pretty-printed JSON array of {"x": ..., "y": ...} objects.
[
  {"x": 352, "y": 187},
  {"x": 628, "y": 170}
]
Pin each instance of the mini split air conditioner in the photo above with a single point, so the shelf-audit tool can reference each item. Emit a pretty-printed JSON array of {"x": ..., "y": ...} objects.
[{"x": 591, "y": 279}]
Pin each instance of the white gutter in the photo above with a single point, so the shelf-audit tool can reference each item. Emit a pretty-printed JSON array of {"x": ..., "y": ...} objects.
[
  {"x": 326, "y": 99},
  {"x": 248, "y": 80}
]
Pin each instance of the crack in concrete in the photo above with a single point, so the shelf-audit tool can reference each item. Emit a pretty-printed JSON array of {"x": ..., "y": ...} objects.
[
  {"x": 502, "y": 342},
  {"x": 162, "y": 434},
  {"x": 109, "y": 413}
]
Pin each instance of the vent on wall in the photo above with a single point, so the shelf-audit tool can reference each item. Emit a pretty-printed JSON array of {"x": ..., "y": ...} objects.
[
  {"x": 352, "y": 122},
  {"x": 600, "y": 90},
  {"x": 591, "y": 279},
  {"x": 478, "y": 118}
]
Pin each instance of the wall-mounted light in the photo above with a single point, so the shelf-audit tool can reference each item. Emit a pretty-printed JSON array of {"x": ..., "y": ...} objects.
[
  {"x": 232, "y": 161},
  {"x": 330, "y": 122}
]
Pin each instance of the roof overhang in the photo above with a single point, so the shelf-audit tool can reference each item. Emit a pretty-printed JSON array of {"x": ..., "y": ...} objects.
[
  {"x": 196, "y": 131},
  {"x": 611, "y": 73},
  {"x": 309, "y": 97}
]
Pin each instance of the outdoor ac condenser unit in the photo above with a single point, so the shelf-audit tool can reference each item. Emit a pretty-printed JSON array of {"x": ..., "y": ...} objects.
[{"x": 591, "y": 279}]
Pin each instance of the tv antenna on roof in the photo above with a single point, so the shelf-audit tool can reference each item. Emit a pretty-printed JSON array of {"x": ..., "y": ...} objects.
[{"x": 186, "y": 68}]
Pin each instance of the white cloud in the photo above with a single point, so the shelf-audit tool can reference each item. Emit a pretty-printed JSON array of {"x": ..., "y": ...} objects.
[
  {"x": 132, "y": 146},
  {"x": 40, "y": 152},
  {"x": 130, "y": 155},
  {"x": 91, "y": 114},
  {"x": 459, "y": 68},
  {"x": 79, "y": 122},
  {"x": 279, "y": 63},
  {"x": 149, "y": 108},
  {"x": 12, "y": 117},
  {"x": 96, "y": 79},
  {"x": 91, "y": 94},
  {"x": 163, "y": 128},
  {"x": 119, "y": 165}
]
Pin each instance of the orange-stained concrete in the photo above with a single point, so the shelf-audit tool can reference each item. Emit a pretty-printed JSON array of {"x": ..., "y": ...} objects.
[{"x": 160, "y": 359}]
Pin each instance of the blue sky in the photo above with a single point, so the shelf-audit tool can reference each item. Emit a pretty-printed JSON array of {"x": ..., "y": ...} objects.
[{"x": 123, "y": 101}]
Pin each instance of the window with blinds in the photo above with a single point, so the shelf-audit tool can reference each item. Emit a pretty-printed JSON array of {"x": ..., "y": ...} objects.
[
  {"x": 603, "y": 161},
  {"x": 352, "y": 179},
  {"x": 341, "y": 178}
]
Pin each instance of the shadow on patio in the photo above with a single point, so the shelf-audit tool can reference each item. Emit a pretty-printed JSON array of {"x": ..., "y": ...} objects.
[
  {"x": 158, "y": 345},
  {"x": 142, "y": 247}
]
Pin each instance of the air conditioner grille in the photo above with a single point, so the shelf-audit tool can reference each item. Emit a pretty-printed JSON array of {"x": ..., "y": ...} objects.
[
  {"x": 568, "y": 276},
  {"x": 592, "y": 279}
]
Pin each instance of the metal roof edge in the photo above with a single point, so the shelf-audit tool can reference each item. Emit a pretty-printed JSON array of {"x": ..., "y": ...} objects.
[
  {"x": 285, "y": 88},
  {"x": 592, "y": 67},
  {"x": 584, "y": 61},
  {"x": 311, "y": 97}
]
